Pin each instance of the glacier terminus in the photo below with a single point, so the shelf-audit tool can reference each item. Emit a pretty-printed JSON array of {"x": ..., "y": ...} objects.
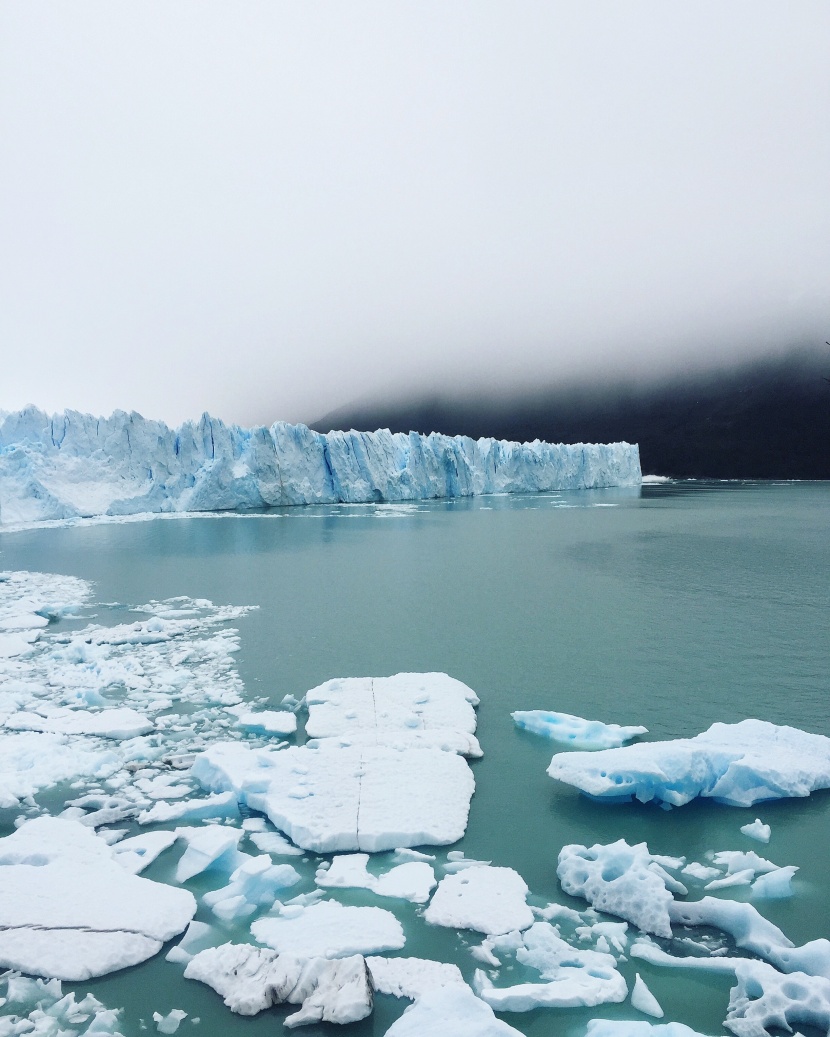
[{"x": 73, "y": 465}]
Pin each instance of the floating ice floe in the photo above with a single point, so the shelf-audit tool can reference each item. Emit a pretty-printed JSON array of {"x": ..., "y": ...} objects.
[
  {"x": 251, "y": 979},
  {"x": 120, "y": 723},
  {"x": 68, "y": 910},
  {"x": 757, "y": 830},
  {"x": 453, "y": 1009},
  {"x": 572, "y": 978},
  {"x": 338, "y": 799},
  {"x": 764, "y": 1001},
  {"x": 72, "y": 464},
  {"x": 30, "y": 761},
  {"x": 738, "y": 764},
  {"x": 585, "y": 734},
  {"x": 273, "y": 842},
  {"x": 489, "y": 900},
  {"x": 137, "y": 853},
  {"x": 638, "y": 1028},
  {"x": 215, "y": 806},
  {"x": 622, "y": 880},
  {"x": 329, "y": 930},
  {"x": 412, "y": 880},
  {"x": 206, "y": 845},
  {"x": 169, "y": 1023},
  {"x": 411, "y": 977},
  {"x": 407, "y": 710},
  {"x": 643, "y": 1000},
  {"x": 268, "y": 721}
]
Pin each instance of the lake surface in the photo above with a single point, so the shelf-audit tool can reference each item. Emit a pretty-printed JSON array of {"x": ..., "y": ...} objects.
[{"x": 674, "y": 607}]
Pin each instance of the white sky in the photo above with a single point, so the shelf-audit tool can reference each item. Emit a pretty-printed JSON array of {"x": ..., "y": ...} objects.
[{"x": 268, "y": 209}]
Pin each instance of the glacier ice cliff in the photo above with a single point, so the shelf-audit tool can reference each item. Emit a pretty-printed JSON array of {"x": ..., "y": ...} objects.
[{"x": 75, "y": 465}]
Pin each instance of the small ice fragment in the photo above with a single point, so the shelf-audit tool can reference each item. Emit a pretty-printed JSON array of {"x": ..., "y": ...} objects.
[
  {"x": 738, "y": 878},
  {"x": 169, "y": 1023},
  {"x": 572, "y": 730},
  {"x": 644, "y": 1001},
  {"x": 775, "y": 885},
  {"x": 757, "y": 830}
]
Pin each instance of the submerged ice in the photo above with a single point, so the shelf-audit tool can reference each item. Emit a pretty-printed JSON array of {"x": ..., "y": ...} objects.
[{"x": 72, "y": 464}]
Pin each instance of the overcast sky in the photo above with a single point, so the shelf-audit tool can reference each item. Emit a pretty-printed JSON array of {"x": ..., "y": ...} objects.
[{"x": 268, "y": 210}]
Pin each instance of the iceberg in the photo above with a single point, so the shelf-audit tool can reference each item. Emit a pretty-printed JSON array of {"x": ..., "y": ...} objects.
[
  {"x": 585, "y": 734},
  {"x": 412, "y": 880},
  {"x": 621, "y": 880},
  {"x": 68, "y": 465},
  {"x": 737, "y": 764}
]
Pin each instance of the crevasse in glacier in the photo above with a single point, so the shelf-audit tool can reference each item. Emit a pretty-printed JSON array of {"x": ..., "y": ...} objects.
[{"x": 72, "y": 464}]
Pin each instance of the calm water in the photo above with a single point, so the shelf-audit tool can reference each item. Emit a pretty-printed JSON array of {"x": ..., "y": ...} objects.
[{"x": 674, "y": 607}]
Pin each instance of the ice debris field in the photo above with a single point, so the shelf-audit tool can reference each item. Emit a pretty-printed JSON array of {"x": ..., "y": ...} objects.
[
  {"x": 68, "y": 465},
  {"x": 130, "y": 742}
]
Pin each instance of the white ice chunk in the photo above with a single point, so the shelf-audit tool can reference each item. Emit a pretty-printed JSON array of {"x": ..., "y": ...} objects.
[
  {"x": 701, "y": 872},
  {"x": 572, "y": 978},
  {"x": 572, "y": 730},
  {"x": 411, "y": 977},
  {"x": 330, "y": 800},
  {"x": 196, "y": 933},
  {"x": 206, "y": 846},
  {"x": 30, "y": 761},
  {"x": 268, "y": 721},
  {"x": 251, "y": 979},
  {"x": 68, "y": 910},
  {"x": 489, "y": 900},
  {"x": 169, "y": 1023},
  {"x": 329, "y": 930},
  {"x": 137, "y": 853},
  {"x": 273, "y": 842},
  {"x": 621, "y": 880},
  {"x": 221, "y": 805},
  {"x": 757, "y": 830},
  {"x": 121, "y": 722},
  {"x": 453, "y": 1009},
  {"x": 412, "y": 880},
  {"x": 406, "y": 710},
  {"x": 738, "y": 764},
  {"x": 738, "y": 878},
  {"x": 640, "y": 1028},
  {"x": 254, "y": 884},
  {"x": 776, "y": 885},
  {"x": 644, "y": 1001}
]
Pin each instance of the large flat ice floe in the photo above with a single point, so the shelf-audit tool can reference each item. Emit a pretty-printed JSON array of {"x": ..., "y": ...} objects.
[
  {"x": 333, "y": 799},
  {"x": 738, "y": 764},
  {"x": 72, "y": 464},
  {"x": 407, "y": 710},
  {"x": 452, "y": 1010},
  {"x": 489, "y": 900},
  {"x": 68, "y": 910},
  {"x": 329, "y": 930}
]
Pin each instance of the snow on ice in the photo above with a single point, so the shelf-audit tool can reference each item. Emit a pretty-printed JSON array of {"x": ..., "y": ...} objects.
[{"x": 68, "y": 910}]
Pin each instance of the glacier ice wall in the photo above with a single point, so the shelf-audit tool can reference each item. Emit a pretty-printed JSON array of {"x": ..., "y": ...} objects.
[{"x": 71, "y": 464}]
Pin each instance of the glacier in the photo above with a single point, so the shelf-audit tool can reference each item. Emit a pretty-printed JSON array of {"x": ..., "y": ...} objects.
[{"x": 74, "y": 465}]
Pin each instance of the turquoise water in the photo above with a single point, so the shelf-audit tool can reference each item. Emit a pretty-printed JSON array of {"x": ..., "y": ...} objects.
[{"x": 672, "y": 607}]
